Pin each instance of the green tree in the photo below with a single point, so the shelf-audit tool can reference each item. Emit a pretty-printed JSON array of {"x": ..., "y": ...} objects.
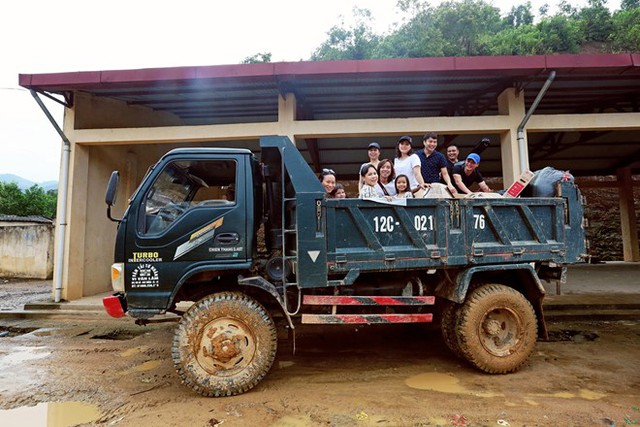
[
  {"x": 595, "y": 21},
  {"x": 257, "y": 58},
  {"x": 625, "y": 35},
  {"x": 566, "y": 9},
  {"x": 357, "y": 41},
  {"x": 33, "y": 201},
  {"x": 416, "y": 38},
  {"x": 520, "y": 15},
  {"x": 463, "y": 23},
  {"x": 560, "y": 34},
  {"x": 523, "y": 40},
  {"x": 629, "y": 4}
]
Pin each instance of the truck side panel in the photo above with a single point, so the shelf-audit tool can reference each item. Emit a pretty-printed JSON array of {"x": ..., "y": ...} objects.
[
  {"x": 366, "y": 235},
  {"x": 369, "y": 236}
]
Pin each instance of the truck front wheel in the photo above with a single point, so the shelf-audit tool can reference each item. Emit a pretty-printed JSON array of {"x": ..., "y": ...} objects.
[
  {"x": 497, "y": 329},
  {"x": 224, "y": 344}
]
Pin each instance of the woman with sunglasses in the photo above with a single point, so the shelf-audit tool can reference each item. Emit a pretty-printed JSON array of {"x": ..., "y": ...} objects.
[{"x": 328, "y": 180}]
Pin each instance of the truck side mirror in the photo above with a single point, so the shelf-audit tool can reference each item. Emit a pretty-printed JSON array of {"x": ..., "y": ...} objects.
[{"x": 110, "y": 195}]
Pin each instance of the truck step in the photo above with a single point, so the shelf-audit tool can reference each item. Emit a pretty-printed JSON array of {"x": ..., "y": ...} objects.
[
  {"x": 368, "y": 319},
  {"x": 366, "y": 300}
]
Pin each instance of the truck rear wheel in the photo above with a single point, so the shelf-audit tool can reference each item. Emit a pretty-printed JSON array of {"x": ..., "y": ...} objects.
[
  {"x": 224, "y": 344},
  {"x": 450, "y": 313},
  {"x": 497, "y": 329}
]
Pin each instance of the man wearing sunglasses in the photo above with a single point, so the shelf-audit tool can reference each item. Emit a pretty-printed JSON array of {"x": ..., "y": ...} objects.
[{"x": 466, "y": 173}]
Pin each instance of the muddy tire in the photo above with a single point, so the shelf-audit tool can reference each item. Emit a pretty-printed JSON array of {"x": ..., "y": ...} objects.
[
  {"x": 224, "y": 345},
  {"x": 496, "y": 329},
  {"x": 450, "y": 313}
]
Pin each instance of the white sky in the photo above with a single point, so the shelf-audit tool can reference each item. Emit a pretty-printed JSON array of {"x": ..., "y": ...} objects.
[{"x": 45, "y": 36}]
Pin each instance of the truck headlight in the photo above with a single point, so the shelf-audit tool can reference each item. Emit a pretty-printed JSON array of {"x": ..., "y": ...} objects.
[{"x": 117, "y": 276}]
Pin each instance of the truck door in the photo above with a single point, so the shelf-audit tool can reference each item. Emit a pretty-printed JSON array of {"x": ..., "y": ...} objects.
[{"x": 192, "y": 215}]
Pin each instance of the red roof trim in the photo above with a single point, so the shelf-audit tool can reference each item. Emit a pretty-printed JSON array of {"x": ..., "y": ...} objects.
[{"x": 501, "y": 65}]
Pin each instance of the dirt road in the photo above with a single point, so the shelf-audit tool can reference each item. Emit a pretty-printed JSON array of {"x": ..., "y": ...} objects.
[{"x": 586, "y": 375}]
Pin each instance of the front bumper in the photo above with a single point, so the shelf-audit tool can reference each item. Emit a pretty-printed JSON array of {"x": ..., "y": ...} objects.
[{"x": 115, "y": 305}]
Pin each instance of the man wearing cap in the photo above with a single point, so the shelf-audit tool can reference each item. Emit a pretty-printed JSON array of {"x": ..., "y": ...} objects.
[
  {"x": 433, "y": 164},
  {"x": 466, "y": 173},
  {"x": 373, "y": 151}
]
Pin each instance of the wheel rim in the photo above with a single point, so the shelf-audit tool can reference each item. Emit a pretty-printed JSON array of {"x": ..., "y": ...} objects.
[
  {"x": 225, "y": 346},
  {"x": 500, "y": 331}
]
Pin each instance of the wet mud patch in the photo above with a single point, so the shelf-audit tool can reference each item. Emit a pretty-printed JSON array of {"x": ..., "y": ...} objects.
[
  {"x": 572, "y": 335},
  {"x": 118, "y": 335},
  {"x": 14, "y": 331}
]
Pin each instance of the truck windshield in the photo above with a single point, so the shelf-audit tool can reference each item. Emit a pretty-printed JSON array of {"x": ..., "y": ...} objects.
[{"x": 183, "y": 185}]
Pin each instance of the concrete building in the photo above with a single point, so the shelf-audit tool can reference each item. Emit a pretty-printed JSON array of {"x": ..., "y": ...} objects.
[{"x": 586, "y": 120}]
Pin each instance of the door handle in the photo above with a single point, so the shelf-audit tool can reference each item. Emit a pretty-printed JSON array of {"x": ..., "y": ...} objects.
[{"x": 227, "y": 238}]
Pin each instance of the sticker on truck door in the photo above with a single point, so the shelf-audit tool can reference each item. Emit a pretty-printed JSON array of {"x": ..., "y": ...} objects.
[
  {"x": 198, "y": 238},
  {"x": 145, "y": 276}
]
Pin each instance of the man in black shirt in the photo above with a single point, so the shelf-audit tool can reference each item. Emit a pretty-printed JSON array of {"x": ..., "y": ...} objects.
[
  {"x": 452, "y": 158},
  {"x": 466, "y": 173}
]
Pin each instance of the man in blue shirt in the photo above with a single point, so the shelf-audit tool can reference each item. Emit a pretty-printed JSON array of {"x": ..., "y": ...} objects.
[{"x": 433, "y": 164}]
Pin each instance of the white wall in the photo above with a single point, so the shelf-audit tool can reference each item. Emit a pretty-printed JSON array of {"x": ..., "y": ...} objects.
[{"x": 26, "y": 250}]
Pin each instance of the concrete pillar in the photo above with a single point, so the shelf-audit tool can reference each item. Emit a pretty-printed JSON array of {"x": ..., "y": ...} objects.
[
  {"x": 74, "y": 258},
  {"x": 287, "y": 115},
  {"x": 628, "y": 216},
  {"x": 511, "y": 104}
]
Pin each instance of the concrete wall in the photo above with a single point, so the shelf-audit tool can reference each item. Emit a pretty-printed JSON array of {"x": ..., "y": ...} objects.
[{"x": 26, "y": 250}]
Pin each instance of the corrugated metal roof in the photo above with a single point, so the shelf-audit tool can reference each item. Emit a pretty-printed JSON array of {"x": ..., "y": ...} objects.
[{"x": 391, "y": 88}]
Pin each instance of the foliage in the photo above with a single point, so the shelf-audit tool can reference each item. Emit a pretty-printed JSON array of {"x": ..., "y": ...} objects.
[
  {"x": 33, "y": 201},
  {"x": 418, "y": 37},
  {"x": 559, "y": 35},
  {"x": 475, "y": 27},
  {"x": 625, "y": 34},
  {"x": 257, "y": 58},
  {"x": 463, "y": 23},
  {"x": 595, "y": 21},
  {"x": 520, "y": 15},
  {"x": 357, "y": 41},
  {"x": 525, "y": 40}
]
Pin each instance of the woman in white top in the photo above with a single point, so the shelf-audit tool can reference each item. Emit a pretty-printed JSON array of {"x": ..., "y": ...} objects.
[
  {"x": 408, "y": 163},
  {"x": 386, "y": 177},
  {"x": 369, "y": 176}
]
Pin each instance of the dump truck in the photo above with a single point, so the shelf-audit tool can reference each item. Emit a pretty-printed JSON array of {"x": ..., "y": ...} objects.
[{"x": 235, "y": 246}]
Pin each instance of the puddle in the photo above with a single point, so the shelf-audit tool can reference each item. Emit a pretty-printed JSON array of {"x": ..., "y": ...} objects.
[
  {"x": 582, "y": 393},
  {"x": 444, "y": 383},
  {"x": 590, "y": 394},
  {"x": 52, "y": 414},
  {"x": 23, "y": 354},
  {"x": 293, "y": 421},
  {"x": 132, "y": 351},
  {"x": 12, "y": 331},
  {"x": 572, "y": 335},
  {"x": 146, "y": 366},
  {"x": 118, "y": 335},
  {"x": 285, "y": 364}
]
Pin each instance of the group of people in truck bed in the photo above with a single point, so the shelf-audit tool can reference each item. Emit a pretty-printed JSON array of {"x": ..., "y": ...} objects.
[{"x": 410, "y": 172}]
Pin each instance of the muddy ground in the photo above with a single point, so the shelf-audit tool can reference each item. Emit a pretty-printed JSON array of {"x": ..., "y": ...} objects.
[{"x": 588, "y": 374}]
